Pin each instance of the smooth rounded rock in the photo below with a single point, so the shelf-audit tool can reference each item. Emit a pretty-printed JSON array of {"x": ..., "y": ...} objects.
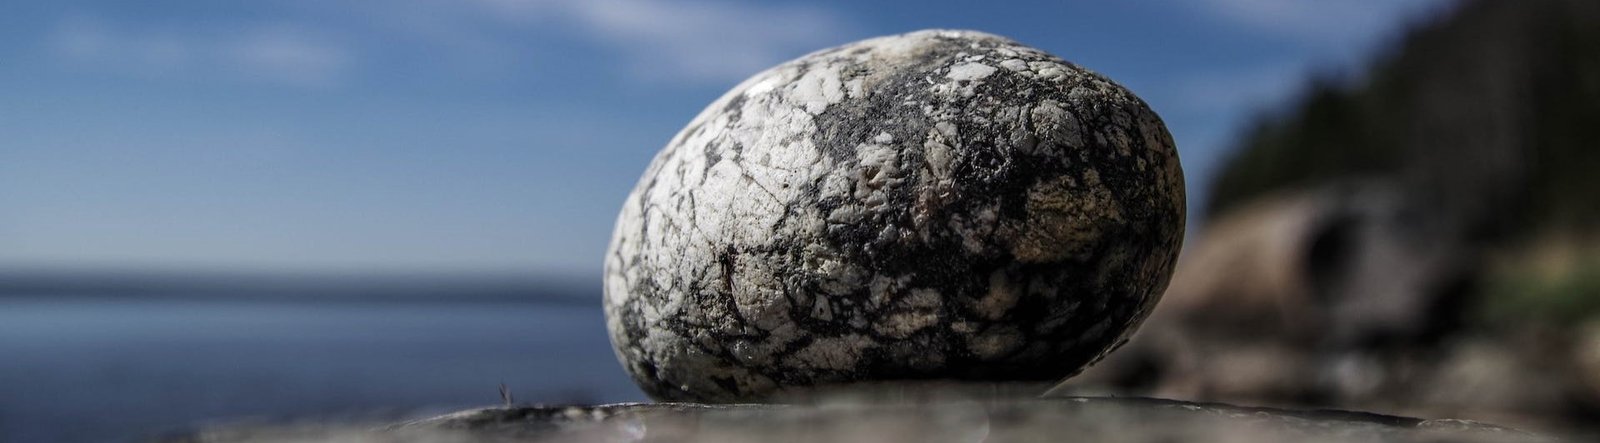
[{"x": 933, "y": 205}]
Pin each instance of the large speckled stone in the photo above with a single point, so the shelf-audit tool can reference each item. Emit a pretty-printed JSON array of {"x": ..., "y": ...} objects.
[{"x": 933, "y": 205}]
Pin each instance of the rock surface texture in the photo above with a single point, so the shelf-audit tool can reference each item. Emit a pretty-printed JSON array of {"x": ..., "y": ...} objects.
[
  {"x": 1076, "y": 419},
  {"x": 1071, "y": 419},
  {"x": 932, "y": 205}
]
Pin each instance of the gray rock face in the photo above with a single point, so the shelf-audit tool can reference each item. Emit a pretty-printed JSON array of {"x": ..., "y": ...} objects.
[
  {"x": 1075, "y": 419},
  {"x": 933, "y": 205},
  {"x": 1078, "y": 419}
]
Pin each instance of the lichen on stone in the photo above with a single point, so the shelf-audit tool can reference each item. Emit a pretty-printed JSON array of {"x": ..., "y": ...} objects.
[{"x": 931, "y": 205}]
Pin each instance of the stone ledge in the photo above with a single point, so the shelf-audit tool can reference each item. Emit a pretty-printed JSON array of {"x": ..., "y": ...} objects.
[{"x": 1076, "y": 419}]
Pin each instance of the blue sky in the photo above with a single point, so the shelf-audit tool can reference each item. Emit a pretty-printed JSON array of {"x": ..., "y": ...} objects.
[{"x": 499, "y": 136}]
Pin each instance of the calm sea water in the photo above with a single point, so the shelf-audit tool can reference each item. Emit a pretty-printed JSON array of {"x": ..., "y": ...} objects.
[{"x": 95, "y": 370}]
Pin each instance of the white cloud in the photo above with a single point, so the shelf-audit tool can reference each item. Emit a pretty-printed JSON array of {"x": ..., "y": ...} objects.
[
  {"x": 686, "y": 40},
  {"x": 275, "y": 54}
]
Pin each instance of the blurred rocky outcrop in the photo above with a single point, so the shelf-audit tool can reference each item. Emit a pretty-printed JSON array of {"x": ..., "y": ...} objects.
[
  {"x": 1339, "y": 297},
  {"x": 1292, "y": 298},
  {"x": 1382, "y": 244}
]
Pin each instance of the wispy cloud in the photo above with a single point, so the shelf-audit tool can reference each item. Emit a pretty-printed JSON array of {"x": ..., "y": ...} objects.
[
  {"x": 91, "y": 41},
  {"x": 287, "y": 55},
  {"x": 1323, "y": 22},
  {"x": 689, "y": 42},
  {"x": 279, "y": 54},
  {"x": 1235, "y": 89},
  {"x": 1334, "y": 34},
  {"x": 686, "y": 40}
]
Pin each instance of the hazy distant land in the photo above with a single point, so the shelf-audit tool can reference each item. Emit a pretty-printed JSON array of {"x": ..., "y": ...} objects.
[{"x": 351, "y": 287}]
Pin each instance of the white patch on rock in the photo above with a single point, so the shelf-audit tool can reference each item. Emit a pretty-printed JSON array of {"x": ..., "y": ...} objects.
[
  {"x": 818, "y": 88},
  {"x": 1000, "y": 298},
  {"x": 880, "y": 168},
  {"x": 995, "y": 342},
  {"x": 853, "y": 89},
  {"x": 832, "y": 353},
  {"x": 969, "y": 71},
  {"x": 762, "y": 87}
]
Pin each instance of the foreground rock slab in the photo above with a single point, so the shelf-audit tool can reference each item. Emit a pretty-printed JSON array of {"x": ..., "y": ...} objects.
[{"x": 1075, "y": 419}]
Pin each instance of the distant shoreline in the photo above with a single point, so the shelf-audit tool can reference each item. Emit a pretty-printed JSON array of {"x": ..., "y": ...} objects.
[{"x": 288, "y": 288}]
